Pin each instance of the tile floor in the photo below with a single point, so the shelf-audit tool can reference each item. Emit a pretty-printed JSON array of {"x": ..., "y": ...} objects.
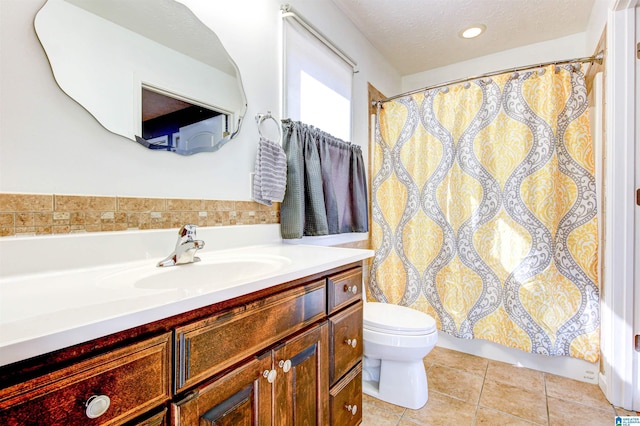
[{"x": 469, "y": 390}]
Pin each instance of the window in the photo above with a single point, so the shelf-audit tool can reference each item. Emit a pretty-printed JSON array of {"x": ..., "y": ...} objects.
[{"x": 317, "y": 81}]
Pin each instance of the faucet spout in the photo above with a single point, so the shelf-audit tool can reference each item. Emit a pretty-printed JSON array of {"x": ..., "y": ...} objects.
[{"x": 186, "y": 248}]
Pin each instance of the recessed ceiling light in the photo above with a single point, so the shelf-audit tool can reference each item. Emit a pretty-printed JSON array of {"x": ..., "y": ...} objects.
[{"x": 473, "y": 31}]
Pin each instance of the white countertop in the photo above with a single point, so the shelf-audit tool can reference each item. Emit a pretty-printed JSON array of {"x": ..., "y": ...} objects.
[{"x": 49, "y": 310}]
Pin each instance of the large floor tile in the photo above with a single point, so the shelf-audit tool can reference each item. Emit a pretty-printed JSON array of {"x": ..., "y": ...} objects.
[
  {"x": 513, "y": 400},
  {"x": 576, "y": 391},
  {"x": 490, "y": 417},
  {"x": 622, "y": 412},
  {"x": 516, "y": 376},
  {"x": 456, "y": 383},
  {"x": 454, "y": 359},
  {"x": 375, "y": 416},
  {"x": 563, "y": 412},
  {"x": 375, "y": 402},
  {"x": 441, "y": 410}
]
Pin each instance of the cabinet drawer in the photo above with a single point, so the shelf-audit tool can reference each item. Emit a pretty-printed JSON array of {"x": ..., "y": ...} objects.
[
  {"x": 135, "y": 379},
  {"x": 346, "y": 399},
  {"x": 207, "y": 347},
  {"x": 344, "y": 288},
  {"x": 345, "y": 330}
]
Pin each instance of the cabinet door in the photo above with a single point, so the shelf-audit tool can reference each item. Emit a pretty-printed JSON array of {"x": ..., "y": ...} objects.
[
  {"x": 240, "y": 397},
  {"x": 301, "y": 388}
]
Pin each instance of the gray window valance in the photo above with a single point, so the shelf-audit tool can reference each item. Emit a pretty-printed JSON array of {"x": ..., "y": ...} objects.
[{"x": 326, "y": 184}]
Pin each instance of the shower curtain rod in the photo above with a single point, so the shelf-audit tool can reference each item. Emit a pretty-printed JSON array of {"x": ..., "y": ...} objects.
[{"x": 599, "y": 57}]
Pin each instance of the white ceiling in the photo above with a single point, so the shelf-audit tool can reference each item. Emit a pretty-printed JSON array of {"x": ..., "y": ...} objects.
[{"x": 418, "y": 35}]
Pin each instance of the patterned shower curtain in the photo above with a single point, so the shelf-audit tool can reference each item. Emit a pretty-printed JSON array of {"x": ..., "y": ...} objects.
[{"x": 484, "y": 211}]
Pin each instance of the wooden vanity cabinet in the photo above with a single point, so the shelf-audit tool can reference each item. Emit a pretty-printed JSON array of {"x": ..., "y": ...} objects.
[{"x": 286, "y": 355}]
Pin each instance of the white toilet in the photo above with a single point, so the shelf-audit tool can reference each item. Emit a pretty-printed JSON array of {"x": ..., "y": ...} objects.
[{"x": 396, "y": 339}]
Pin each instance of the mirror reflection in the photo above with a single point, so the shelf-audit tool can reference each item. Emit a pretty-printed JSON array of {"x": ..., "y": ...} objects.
[{"x": 131, "y": 62}]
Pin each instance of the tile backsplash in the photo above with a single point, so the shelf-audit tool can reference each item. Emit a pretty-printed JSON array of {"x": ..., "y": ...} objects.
[{"x": 41, "y": 214}]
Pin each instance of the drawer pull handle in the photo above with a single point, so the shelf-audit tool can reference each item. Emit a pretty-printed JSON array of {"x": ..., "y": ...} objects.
[
  {"x": 353, "y": 409},
  {"x": 270, "y": 375},
  {"x": 285, "y": 365},
  {"x": 352, "y": 342},
  {"x": 97, "y": 405},
  {"x": 353, "y": 289}
]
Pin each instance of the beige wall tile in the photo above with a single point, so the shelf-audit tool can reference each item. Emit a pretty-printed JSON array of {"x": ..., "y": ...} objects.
[
  {"x": 25, "y": 203},
  {"x": 218, "y": 205},
  {"x": 135, "y": 204},
  {"x": 66, "y": 203},
  {"x": 43, "y": 219},
  {"x": 7, "y": 219},
  {"x": 7, "y": 232},
  {"x": 174, "y": 204},
  {"x": 61, "y": 229},
  {"x": 25, "y": 219},
  {"x": 44, "y": 230},
  {"x": 77, "y": 218},
  {"x": 247, "y": 206},
  {"x": 28, "y": 213}
]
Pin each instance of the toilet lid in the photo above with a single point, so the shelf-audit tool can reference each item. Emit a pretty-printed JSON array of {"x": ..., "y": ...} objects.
[{"x": 386, "y": 317}]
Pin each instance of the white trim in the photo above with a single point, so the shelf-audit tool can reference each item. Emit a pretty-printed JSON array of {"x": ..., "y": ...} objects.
[
  {"x": 617, "y": 302},
  {"x": 572, "y": 368}
]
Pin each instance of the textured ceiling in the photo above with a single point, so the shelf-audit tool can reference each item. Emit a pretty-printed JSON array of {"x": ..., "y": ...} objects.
[{"x": 418, "y": 35}]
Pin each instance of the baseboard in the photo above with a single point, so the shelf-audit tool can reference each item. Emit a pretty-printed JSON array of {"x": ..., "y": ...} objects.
[{"x": 572, "y": 368}]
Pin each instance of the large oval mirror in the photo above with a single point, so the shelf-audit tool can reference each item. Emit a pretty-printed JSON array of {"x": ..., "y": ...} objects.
[{"x": 148, "y": 70}]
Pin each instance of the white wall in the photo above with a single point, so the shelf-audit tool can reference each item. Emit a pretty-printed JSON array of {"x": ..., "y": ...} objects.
[
  {"x": 569, "y": 47},
  {"x": 50, "y": 144}
]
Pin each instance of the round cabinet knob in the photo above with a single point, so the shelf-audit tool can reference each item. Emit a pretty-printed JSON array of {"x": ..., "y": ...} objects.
[
  {"x": 350, "y": 289},
  {"x": 352, "y": 342},
  {"x": 97, "y": 405},
  {"x": 285, "y": 365},
  {"x": 353, "y": 409},
  {"x": 270, "y": 375}
]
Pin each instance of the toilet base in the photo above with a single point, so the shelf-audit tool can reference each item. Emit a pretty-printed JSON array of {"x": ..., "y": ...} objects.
[{"x": 401, "y": 383}]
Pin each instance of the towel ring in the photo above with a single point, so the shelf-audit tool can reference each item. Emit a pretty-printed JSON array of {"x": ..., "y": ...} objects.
[{"x": 260, "y": 118}]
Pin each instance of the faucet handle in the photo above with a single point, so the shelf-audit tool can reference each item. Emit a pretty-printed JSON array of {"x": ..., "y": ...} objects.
[{"x": 187, "y": 233}]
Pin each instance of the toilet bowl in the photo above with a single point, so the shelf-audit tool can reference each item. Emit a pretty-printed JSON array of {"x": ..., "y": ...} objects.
[{"x": 396, "y": 339}]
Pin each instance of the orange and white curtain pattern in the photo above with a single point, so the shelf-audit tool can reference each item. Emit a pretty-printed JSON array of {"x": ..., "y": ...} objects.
[{"x": 484, "y": 211}]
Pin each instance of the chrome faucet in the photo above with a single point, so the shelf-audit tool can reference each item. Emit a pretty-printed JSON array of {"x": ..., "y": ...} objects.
[{"x": 186, "y": 248}]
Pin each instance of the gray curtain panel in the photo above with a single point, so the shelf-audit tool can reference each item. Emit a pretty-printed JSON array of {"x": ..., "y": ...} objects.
[{"x": 326, "y": 184}]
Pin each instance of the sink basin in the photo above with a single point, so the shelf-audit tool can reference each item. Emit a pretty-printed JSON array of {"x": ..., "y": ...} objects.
[{"x": 213, "y": 271}]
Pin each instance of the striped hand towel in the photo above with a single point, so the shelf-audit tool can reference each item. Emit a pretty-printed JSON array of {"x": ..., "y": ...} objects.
[{"x": 270, "y": 178}]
